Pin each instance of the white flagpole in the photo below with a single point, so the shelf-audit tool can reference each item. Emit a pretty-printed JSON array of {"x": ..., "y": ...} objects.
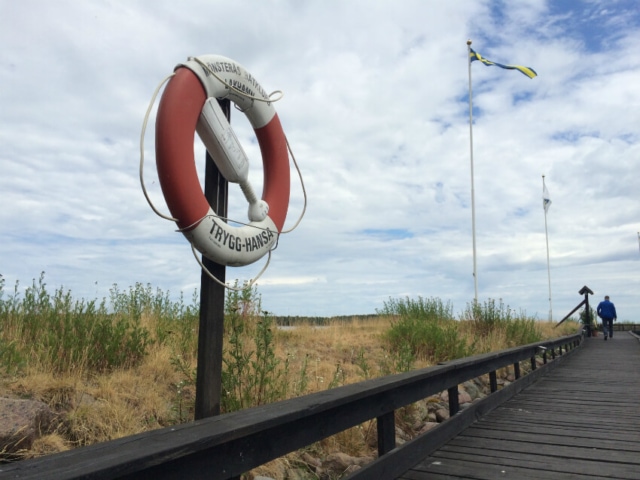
[
  {"x": 638, "y": 239},
  {"x": 547, "y": 237},
  {"x": 473, "y": 204}
]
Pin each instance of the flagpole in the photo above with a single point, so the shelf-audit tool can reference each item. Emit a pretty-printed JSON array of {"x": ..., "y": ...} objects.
[
  {"x": 546, "y": 233},
  {"x": 473, "y": 203}
]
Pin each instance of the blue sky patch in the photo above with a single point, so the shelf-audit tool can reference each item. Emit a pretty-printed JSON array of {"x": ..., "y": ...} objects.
[{"x": 388, "y": 234}]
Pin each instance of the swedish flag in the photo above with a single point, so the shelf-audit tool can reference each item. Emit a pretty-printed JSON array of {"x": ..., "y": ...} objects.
[{"x": 528, "y": 71}]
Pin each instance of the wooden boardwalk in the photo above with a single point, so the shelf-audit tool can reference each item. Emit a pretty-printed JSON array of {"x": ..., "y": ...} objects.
[{"x": 581, "y": 421}]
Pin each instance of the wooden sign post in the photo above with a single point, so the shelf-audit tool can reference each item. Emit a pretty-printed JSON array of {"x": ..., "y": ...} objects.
[{"x": 212, "y": 296}]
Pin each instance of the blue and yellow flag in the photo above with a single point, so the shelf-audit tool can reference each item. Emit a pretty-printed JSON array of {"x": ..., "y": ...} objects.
[{"x": 528, "y": 71}]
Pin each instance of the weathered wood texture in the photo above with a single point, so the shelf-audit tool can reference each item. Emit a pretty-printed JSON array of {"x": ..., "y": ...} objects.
[{"x": 579, "y": 421}]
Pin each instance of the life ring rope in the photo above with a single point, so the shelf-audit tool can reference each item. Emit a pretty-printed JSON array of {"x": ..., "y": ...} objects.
[
  {"x": 248, "y": 284},
  {"x": 170, "y": 218},
  {"x": 152, "y": 102}
]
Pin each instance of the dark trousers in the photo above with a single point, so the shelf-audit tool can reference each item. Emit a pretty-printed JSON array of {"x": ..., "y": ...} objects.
[{"x": 607, "y": 326}]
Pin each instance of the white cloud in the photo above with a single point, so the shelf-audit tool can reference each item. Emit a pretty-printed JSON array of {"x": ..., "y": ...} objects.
[{"x": 375, "y": 109}]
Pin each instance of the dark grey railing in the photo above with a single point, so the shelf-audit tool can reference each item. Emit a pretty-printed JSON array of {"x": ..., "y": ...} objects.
[{"x": 225, "y": 446}]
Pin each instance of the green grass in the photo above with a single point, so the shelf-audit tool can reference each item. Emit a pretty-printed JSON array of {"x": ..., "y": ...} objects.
[
  {"x": 65, "y": 334},
  {"x": 427, "y": 329},
  {"x": 424, "y": 328},
  {"x": 489, "y": 317},
  {"x": 58, "y": 334}
]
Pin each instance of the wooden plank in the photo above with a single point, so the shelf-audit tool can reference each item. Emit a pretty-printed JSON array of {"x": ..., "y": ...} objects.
[
  {"x": 580, "y": 430},
  {"x": 579, "y": 421},
  {"x": 397, "y": 461},
  {"x": 594, "y": 451},
  {"x": 541, "y": 465},
  {"x": 549, "y": 437},
  {"x": 496, "y": 468},
  {"x": 469, "y": 470},
  {"x": 532, "y": 465}
]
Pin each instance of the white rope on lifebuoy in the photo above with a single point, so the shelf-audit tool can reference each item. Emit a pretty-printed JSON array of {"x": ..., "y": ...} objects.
[{"x": 188, "y": 104}]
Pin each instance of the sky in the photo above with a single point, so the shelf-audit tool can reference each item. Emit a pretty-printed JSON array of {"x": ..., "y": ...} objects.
[{"x": 376, "y": 110}]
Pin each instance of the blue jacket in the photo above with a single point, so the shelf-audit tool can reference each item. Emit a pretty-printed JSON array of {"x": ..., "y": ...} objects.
[{"x": 606, "y": 309}]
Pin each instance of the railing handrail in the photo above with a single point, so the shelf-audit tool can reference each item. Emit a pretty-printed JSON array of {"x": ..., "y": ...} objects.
[{"x": 225, "y": 446}]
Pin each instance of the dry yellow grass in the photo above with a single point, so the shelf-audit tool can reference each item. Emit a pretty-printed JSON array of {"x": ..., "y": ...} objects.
[{"x": 100, "y": 407}]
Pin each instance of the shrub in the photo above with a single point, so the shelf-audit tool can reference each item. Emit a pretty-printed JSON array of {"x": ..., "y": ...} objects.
[
  {"x": 491, "y": 318},
  {"x": 423, "y": 328},
  {"x": 68, "y": 335},
  {"x": 252, "y": 374}
]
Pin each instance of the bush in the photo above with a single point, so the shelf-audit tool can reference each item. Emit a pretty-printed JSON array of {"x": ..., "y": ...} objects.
[
  {"x": 252, "y": 374},
  {"x": 424, "y": 329},
  {"x": 489, "y": 318},
  {"x": 67, "y": 335}
]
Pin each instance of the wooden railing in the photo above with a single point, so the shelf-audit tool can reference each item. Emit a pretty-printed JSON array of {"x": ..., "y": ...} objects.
[
  {"x": 625, "y": 327},
  {"x": 225, "y": 446}
]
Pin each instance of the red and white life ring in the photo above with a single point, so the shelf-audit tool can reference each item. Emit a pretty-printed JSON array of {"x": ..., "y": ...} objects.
[{"x": 178, "y": 115}]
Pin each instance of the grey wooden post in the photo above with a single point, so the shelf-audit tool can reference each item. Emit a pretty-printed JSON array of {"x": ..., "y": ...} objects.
[{"x": 212, "y": 295}]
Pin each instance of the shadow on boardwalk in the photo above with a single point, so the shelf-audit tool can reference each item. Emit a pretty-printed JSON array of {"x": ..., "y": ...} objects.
[{"x": 581, "y": 421}]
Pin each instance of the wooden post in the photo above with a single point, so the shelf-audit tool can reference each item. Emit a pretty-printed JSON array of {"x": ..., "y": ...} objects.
[
  {"x": 386, "y": 427},
  {"x": 493, "y": 381},
  {"x": 454, "y": 401},
  {"x": 212, "y": 295}
]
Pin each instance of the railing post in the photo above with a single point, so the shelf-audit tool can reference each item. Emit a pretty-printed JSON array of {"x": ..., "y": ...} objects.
[
  {"x": 386, "y": 425},
  {"x": 454, "y": 401},
  {"x": 516, "y": 370},
  {"x": 534, "y": 364},
  {"x": 493, "y": 381}
]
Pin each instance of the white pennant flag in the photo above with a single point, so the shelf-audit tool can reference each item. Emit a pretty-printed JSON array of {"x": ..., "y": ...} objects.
[{"x": 546, "y": 201}]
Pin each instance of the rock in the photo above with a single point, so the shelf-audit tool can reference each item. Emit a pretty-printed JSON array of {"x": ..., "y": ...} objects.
[
  {"x": 442, "y": 414},
  {"x": 471, "y": 388},
  {"x": 427, "y": 426},
  {"x": 401, "y": 435},
  {"x": 464, "y": 397},
  {"x": 340, "y": 463},
  {"x": 435, "y": 404},
  {"x": 420, "y": 411},
  {"x": 310, "y": 460},
  {"x": 21, "y": 422}
]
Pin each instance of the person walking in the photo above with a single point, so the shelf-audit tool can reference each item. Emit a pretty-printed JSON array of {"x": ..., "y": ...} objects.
[{"x": 607, "y": 312}]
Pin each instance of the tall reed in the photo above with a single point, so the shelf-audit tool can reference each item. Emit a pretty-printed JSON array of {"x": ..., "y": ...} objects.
[
  {"x": 65, "y": 335},
  {"x": 490, "y": 317},
  {"x": 424, "y": 328}
]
